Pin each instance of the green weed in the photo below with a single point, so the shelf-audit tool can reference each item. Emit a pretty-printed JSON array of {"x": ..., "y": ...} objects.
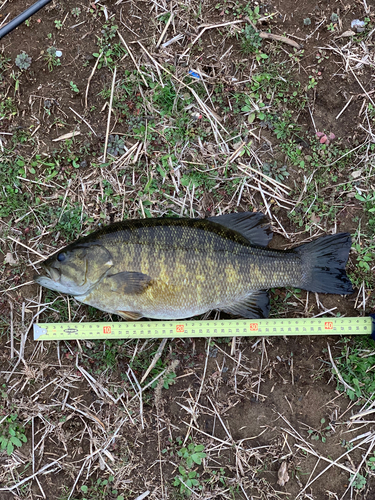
[
  {"x": 166, "y": 98},
  {"x": 74, "y": 87},
  {"x": 321, "y": 433},
  {"x": 12, "y": 433},
  {"x": 23, "y": 61},
  {"x": 368, "y": 201},
  {"x": 106, "y": 355},
  {"x": 52, "y": 58},
  {"x": 76, "y": 11},
  {"x": 168, "y": 380},
  {"x": 101, "y": 489},
  {"x": 12, "y": 199},
  {"x": 109, "y": 53},
  {"x": 359, "y": 482},
  {"x": 250, "y": 40},
  {"x": 312, "y": 82},
  {"x": 116, "y": 145},
  {"x": 279, "y": 173},
  {"x": 188, "y": 480},
  {"x": 7, "y": 108},
  {"x": 356, "y": 365},
  {"x": 198, "y": 179}
]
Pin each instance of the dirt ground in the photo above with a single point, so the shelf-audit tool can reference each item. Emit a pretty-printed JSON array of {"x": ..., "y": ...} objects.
[{"x": 262, "y": 418}]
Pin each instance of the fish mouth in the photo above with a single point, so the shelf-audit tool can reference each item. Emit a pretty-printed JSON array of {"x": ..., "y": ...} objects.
[{"x": 49, "y": 273}]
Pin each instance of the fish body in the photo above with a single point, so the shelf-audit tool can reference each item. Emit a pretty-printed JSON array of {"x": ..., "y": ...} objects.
[{"x": 172, "y": 268}]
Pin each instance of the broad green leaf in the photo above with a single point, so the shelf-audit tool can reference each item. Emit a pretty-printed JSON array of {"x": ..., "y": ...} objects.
[
  {"x": 251, "y": 118},
  {"x": 10, "y": 448},
  {"x": 16, "y": 441}
]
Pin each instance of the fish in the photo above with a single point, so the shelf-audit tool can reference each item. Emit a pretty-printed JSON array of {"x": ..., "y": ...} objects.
[{"x": 174, "y": 268}]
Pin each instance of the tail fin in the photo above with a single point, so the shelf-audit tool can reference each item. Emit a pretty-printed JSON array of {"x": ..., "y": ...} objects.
[{"x": 323, "y": 264}]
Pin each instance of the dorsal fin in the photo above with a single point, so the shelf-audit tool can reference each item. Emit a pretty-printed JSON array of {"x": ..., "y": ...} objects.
[{"x": 251, "y": 225}]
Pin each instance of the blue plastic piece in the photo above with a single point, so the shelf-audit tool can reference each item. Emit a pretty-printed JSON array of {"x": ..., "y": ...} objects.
[{"x": 194, "y": 74}]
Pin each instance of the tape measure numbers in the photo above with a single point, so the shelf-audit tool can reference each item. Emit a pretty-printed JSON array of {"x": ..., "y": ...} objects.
[{"x": 208, "y": 328}]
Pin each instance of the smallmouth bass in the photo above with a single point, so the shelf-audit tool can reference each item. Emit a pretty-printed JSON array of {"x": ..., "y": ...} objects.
[{"x": 170, "y": 268}]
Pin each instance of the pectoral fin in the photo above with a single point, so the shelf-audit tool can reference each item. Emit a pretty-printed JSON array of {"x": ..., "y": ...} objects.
[
  {"x": 128, "y": 282},
  {"x": 253, "y": 306}
]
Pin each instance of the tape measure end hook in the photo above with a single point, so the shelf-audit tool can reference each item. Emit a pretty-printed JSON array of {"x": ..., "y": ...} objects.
[{"x": 39, "y": 331}]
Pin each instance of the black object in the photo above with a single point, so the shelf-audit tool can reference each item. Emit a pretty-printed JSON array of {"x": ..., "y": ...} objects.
[
  {"x": 22, "y": 17},
  {"x": 372, "y": 316}
]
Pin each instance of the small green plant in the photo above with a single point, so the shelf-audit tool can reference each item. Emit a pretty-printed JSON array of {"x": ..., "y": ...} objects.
[
  {"x": 101, "y": 489},
  {"x": 11, "y": 433},
  {"x": 371, "y": 462},
  {"x": 193, "y": 454},
  {"x": 188, "y": 479},
  {"x": 58, "y": 24},
  {"x": 116, "y": 145},
  {"x": 76, "y": 11},
  {"x": 334, "y": 17},
  {"x": 284, "y": 127},
  {"x": 253, "y": 15},
  {"x": 164, "y": 17},
  {"x": 320, "y": 434},
  {"x": 321, "y": 56},
  {"x": 52, "y": 57},
  {"x": 307, "y": 21},
  {"x": 355, "y": 365},
  {"x": 256, "y": 108},
  {"x": 250, "y": 40},
  {"x": 365, "y": 256},
  {"x": 359, "y": 482},
  {"x": 297, "y": 55},
  {"x": 166, "y": 97},
  {"x": 312, "y": 83},
  {"x": 4, "y": 64},
  {"x": 331, "y": 27},
  {"x": 276, "y": 172},
  {"x": 74, "y": 87},
  {"x": 109, "y": 52},
  {"x": 168, "y": 380},
  {"x": 368, "y": 201},
  {"x": 23, "y": 61}
]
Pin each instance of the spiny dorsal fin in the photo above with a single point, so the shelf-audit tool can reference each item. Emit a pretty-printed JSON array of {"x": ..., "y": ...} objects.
[{"x": 251, "y": 225}]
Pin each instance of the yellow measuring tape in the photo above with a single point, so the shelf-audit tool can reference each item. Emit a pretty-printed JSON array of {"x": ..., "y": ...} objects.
[{"x": 207, "y": 328}]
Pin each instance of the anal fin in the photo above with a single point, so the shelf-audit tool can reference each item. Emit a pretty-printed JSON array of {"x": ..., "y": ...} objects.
[{"x": 253, "y": 306}]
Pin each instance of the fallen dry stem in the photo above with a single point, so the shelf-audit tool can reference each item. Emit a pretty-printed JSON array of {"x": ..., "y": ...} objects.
[{"x": 109, "y": 115}]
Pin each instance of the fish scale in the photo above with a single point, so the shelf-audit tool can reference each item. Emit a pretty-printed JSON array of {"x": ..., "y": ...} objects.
[{"x": 177, "y": 288}]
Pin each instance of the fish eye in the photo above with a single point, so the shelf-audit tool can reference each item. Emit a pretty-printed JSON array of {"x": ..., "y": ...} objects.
[{"x": 61, "y": 257}]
